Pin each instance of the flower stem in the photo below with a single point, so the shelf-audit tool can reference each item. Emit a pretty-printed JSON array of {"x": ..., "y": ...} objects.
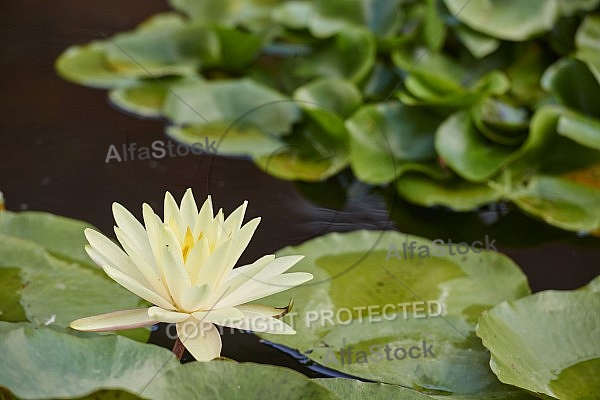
[{"x": 178, "y": 349}]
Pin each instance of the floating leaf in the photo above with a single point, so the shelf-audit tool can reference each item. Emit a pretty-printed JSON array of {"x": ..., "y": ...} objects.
[
  {"x": 351, "y": 389},
  {"x": 546, "y": 343},
  {"x": 348, "y": 273},
  {"x": 508, "y": 19}
]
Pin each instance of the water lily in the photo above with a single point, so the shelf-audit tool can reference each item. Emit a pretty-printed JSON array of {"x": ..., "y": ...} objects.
[{"x": 184, "y": 265}]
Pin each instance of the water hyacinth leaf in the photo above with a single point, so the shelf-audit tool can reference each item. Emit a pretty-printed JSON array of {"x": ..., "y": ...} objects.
[
  {"x": 587, "y": 40},
  {"x": 67, "y": 366},
  {"x": 559, "y": 356},
  {"x": 478, "y": 44},
  {"x": 382, "y": 17},
  {"x": 582, "y": 129},
  {"x": 574, "y": 85},
  {"x": 461, "y": 284},
  {"x": 86, "y": 65},
  {"x": 380, "y": 83},
  {"x": 352, "y": 389},
  {"x": 226, "y": 380},
  {"x": 329, "y": 102},
  {"x": 241, "y": 100},
  {"x": 501, "y": 122},
  {"x": 231, "y": 140},
  {"x": 350, "y": 54},
  {"x": 570, "y": 7},
  {"x": 560, "y": 202},
  {"x": 525, "y": 75},
  {"x": 62, "y": 237},
  {"x": 467, "y": 151},
  {"x": 387, "y": 139},
  {"x": 457, "y": 195},
  {"x": 309, "y": 154},
  {"x": 294, "y": 14},
  {"x": 509, "y": 19}
]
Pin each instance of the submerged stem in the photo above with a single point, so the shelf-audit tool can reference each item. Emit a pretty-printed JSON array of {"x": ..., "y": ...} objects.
[{"x": 178, "y": 349}]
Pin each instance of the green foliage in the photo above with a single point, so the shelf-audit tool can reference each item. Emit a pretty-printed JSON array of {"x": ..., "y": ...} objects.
[{"x": 438, "y": 97}]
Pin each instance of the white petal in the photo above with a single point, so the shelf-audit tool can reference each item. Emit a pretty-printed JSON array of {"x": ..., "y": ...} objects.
[
  {"x": 258, "y": 322},
  {"x": 107, "y": 249},
  {"x": 219, "y": 315},
  {"x": 196, "y": 258},
  {"x": 114, "y": 321},
  {"x": 153, "y": 227},
  {"x": 213, "y": 267},
  {"x": 167, "y": 316},
  {"x": 238, "y": 277},
  {"x": 189, "y": 210},
  {"x": 175, "y": 274},
  {"x": 136, "y": 288},
  {"x": 233, "y": 223},
  {"x": 253, "y": 290},
  {"x": 145, "y": 270},
  {"x": 134, "y": 230},
  {"x": 277, "y": 267},
  {"x": 193, "y": 298},
  {"x": 205, "y": 217},
  {"x": 201, "y": 339},
  {"x": 173, "y": 217}
]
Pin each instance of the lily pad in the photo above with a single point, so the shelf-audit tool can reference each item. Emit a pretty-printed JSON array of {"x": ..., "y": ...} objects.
[
  {"x": 67, "y": 366},
  {"x": 546, "y": 343},
  {"x": 507, "y": 19},
  {"x": 351, "y": 389},
  {"x": 353, "y": 271}
]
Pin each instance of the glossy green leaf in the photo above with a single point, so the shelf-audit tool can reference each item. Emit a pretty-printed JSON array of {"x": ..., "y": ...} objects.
[
  {"x": 67, "y": 366},
  {"x": 467, "y": 151},
  {"x": 387, "y": 139},
  {"x": 479, "y": 45},
  {"x": 145, "y": 99},
  {"x": 86, "y": 65},
  {"x": 560, "y": 202},
  {"x": 329, "y": 102},
  {"x": 574, "y": 85},
  {"x": 231, "y": 140},
  {"x": 382, "y": 17},
  {"x": 356, "y": 270},
  {"x": 546, "y": 343},
  {"x": 570, "y": 7},
  {"x": 587, "y": 40},
  {"x": 226, "y": 101},
  {"x": 10, "y": 294},
  {"x": 507, "y": 19},
  {"x": 455, "y": 194},
  {"x": 350, "y": 54},
  {"x": 294, "y": 14},
  {"x": 582, "y": 129}
]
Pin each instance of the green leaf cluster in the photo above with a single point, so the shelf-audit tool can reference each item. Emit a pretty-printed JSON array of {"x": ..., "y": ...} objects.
[{"x": 455, "y": 103}]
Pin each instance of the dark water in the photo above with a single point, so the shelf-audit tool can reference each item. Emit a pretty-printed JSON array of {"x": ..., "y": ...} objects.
[{"x": 55, "y": 138}]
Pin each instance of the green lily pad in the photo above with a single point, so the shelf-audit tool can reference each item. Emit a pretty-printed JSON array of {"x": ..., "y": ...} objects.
[
  {"x": 10, "y": 294},
  {"x": 382, "y": 17},
  {"x": 67, "y": 366},
  {"x": 458, "y": 195},
  {"x": 560, "y": 202},
  {"x": 387, "y": 139},
  {"x": 62, "y": 237},
  {"x": 587, "y": 39},
  {"x": 225, "y": 380},
  {"x": 229, "y": 100},
  {"x": 145, "y": 99},
  {"x": 546, "y": 343},
  {"x": 351, "y": 389},
  {"x": 467, "y": 151},
  {"x": 508, "y": 19},
  {"x": 348, "y": 273}
]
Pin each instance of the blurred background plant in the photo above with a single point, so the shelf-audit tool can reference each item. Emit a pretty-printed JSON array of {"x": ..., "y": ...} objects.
[{"x": 455, "y": 105}]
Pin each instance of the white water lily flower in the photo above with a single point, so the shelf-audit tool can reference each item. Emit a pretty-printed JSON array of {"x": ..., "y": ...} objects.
[{"x": 184, "y": 266}]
